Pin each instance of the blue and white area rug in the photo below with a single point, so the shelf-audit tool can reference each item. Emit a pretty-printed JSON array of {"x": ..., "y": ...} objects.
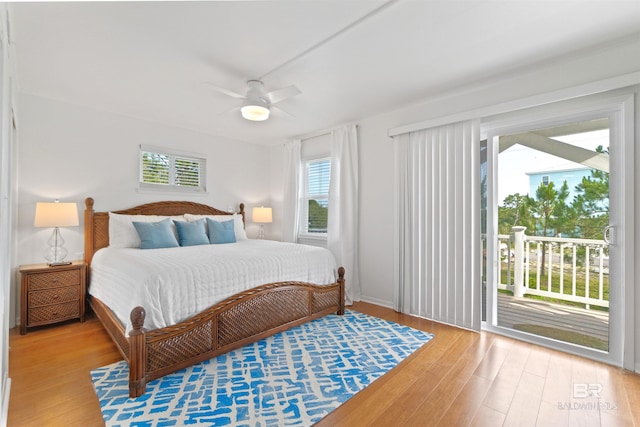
[{"x": 293, "y": 378}]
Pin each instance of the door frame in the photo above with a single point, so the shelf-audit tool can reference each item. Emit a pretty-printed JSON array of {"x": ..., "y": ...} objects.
[{"x": 618, "y": 106}]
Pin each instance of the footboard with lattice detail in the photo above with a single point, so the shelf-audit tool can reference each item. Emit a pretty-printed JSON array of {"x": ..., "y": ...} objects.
[{"x": 239, "y": 320}]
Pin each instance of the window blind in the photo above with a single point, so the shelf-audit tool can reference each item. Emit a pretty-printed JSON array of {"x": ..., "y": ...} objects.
[
  {"x": 165, "y": 169},
  {"x": 315, "y": 207}
]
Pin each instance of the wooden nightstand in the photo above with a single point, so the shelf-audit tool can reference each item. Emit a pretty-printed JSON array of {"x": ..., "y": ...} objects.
[{"x": 51, "y": 294}]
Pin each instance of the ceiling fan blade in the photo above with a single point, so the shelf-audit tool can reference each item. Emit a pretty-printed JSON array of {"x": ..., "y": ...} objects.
[
  {"x": 224, "y": 91},
  {"x": 280, "y": 110},
  {"x": 282, "y": 94},
  {"x": 229, "y": 111}
]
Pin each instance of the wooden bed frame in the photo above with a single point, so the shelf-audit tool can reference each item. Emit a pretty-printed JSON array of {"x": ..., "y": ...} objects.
[{"x": 239, "y": 320}]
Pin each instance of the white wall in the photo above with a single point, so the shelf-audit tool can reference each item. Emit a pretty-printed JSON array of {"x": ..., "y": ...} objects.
[
  {"x": 276, "y": 178},
  {"x": 70, "y": 153}
]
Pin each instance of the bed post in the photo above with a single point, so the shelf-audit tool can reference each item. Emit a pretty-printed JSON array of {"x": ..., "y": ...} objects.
[
  {"x": 88, "y": 232},
  {"x": 341, "y": 282},
  {"x": 137, "y": 354},
  {"x": 242, "y": 212}
]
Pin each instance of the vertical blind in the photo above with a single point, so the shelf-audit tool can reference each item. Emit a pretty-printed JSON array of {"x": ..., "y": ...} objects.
[{"x": 437, "y": 221}]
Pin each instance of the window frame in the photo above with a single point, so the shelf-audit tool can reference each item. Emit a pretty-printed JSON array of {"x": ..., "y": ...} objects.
[
  {"x": 173, "y": 157},
  {"x": 303, "y": 230}
]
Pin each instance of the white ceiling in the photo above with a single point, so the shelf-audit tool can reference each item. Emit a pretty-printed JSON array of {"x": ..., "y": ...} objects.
[{"x": 149, "y": 59}]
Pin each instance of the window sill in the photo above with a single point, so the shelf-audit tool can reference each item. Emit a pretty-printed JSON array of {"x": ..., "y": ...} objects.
[
  {"x": 322, "y": 237},
  {"x": 320, "y": 241}
]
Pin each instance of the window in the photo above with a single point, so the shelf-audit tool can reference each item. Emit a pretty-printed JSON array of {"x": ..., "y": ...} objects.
[
  {"x": 315, "y": 207},
  {"x": 545, "y": 179},
  {"x": 162, "y": 169}
]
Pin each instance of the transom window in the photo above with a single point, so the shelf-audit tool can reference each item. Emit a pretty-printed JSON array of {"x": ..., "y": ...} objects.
[{"x": 164, "y": 169}]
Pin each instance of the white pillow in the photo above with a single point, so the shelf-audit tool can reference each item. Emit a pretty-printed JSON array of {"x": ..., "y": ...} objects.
[
  {"x": 122, "y": 233},
  {"x": 238, "y": 224}
]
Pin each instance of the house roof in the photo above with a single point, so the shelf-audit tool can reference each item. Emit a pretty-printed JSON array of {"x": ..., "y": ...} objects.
[{"x": 560, "y": 169}]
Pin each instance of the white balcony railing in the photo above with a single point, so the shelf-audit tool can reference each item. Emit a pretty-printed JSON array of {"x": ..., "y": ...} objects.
[{"x": 575, "y": 270}]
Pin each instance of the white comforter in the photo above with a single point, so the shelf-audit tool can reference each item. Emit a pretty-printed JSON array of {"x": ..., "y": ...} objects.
[{"x": 173, "y": 284}]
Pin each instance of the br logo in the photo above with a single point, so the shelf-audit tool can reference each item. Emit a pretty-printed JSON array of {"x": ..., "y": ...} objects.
[{"x": 584, "y": 390}]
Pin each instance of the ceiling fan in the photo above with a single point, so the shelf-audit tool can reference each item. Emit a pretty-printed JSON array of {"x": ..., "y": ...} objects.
[{"x": 257, "y": 103}]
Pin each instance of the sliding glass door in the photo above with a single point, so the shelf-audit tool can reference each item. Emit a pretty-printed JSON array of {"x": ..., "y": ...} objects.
[{"x": 555, "y": 216}]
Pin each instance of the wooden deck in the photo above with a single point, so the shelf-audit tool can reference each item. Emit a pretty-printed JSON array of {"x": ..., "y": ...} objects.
[{"x": 513, "y": 312}]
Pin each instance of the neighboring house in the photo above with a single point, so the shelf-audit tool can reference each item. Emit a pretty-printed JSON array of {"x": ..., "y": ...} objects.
[{"x": 573, "y": 177}]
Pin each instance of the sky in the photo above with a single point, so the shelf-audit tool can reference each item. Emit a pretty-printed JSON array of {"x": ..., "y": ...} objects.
[{"x": 515, "y": 162}]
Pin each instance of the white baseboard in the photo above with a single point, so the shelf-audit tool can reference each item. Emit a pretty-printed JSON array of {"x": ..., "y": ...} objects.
[
  {"x": 4, "y": 410},
  {"x": 376, "y": 301}
]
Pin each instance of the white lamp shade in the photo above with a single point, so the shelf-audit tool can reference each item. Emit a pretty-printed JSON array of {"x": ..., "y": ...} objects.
[
  {"x": 56, "y": 214},
  {"x": 262, "y": 215}
]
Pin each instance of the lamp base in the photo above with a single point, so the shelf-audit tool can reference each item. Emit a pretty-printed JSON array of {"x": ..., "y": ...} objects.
[{"x": 56, "y": 252}]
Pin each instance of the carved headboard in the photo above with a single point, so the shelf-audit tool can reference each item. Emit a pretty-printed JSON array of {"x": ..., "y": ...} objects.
[{"x": 96, "y": 224}]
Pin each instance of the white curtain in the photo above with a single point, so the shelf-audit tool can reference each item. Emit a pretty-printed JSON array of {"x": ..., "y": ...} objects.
[
  {"x": 292, "y": 188},
  {"x": 342, "y": 235},
  {"x": 437, "y": 219}
]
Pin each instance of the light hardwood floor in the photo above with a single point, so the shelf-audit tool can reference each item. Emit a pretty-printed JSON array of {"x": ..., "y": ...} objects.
[{"x": 459, "y": 378}]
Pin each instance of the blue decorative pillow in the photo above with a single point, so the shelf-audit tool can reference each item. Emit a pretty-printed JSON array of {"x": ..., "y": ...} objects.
[
  {"x": 192, "y": 233},
  {"x": 154, "y": 235},
  {"x": 221, "y": 232}
]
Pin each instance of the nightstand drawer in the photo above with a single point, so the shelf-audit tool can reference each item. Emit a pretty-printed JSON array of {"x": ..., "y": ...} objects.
[
  {"x": 54, "y": 313},
  {"x": 54, "y": 279},
  {"x": 54, "y": 296},
  {"x": 51, "y": 294}
]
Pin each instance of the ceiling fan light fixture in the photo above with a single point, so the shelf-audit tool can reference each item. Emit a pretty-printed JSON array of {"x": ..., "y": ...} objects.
[
  {"x": 257, "y": 103},
  {"x": 254, "y": 112}
]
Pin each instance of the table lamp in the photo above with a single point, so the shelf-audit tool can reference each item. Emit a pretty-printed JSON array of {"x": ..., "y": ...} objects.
[
  {"x": 262, "y": 216},
  {"x": 56, "y": 215}
]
